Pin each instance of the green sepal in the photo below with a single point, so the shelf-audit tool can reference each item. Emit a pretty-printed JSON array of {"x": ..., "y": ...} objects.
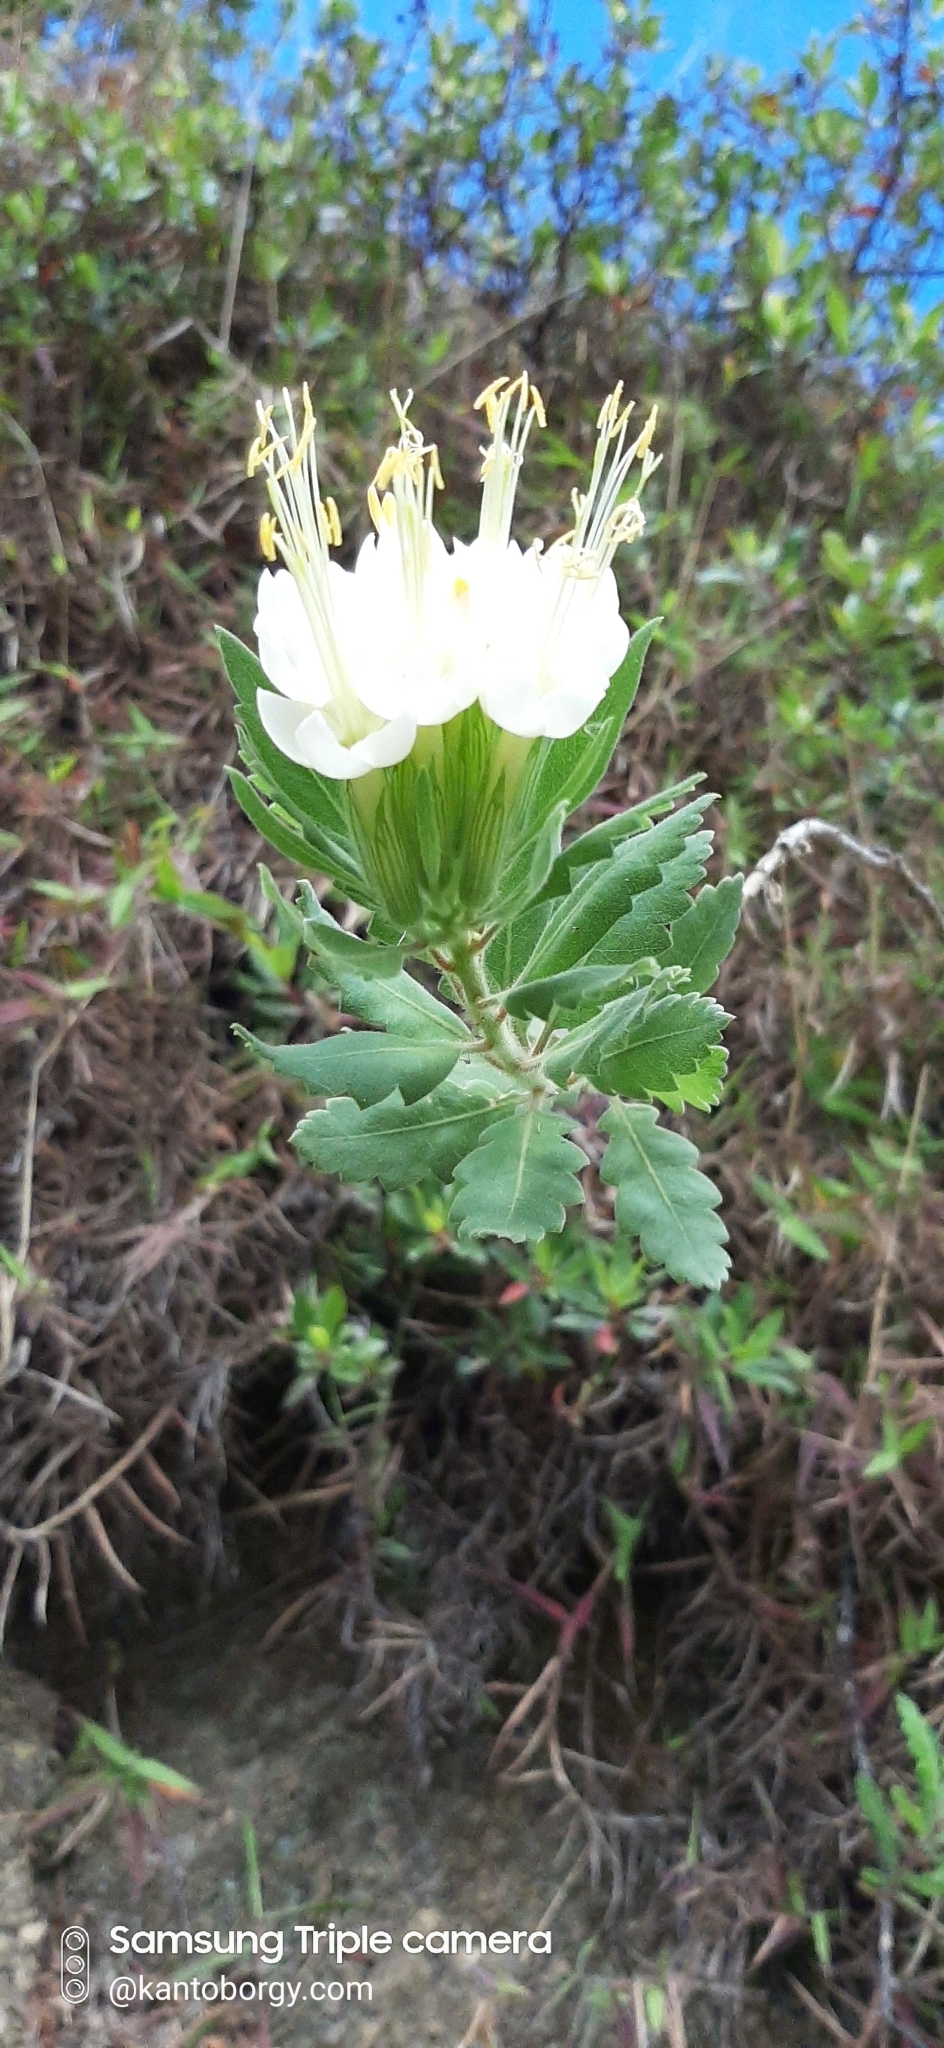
[
  {"x": 520, "y": 1179},
  {"x": 368, "y": 1065},
  {"x": 398, "y": 1143},
  {"x": 523, "y": 881},
  {"x": 661, "y": 1197}
]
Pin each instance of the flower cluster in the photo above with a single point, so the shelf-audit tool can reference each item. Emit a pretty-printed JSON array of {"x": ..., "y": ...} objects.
[{"x": 416, "y": 633}]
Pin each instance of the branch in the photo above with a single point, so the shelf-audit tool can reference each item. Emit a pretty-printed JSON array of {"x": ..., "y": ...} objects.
[{"x": 798, "y": 839}]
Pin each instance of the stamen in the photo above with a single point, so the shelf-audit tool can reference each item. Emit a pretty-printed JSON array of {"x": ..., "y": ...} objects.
[
  {"x": 268, "y": 528},
  {"x": 502, "y": 460}
]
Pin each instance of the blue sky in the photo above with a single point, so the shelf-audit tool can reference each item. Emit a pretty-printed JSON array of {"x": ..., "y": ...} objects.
[{"x": 769, "y": 33}]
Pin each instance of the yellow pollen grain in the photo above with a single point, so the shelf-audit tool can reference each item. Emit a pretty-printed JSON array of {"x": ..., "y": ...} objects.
[{"x": 461, "y": 588}]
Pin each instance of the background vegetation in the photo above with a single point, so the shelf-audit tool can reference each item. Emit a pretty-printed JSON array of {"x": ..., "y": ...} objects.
[{"x": 732, "y": 1511}]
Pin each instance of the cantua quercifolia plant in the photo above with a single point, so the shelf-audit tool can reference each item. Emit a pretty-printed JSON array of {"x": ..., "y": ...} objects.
[{"x": 419, "y": 729}]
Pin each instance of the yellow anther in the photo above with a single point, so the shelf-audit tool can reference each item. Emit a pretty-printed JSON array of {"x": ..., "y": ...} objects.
[
  {"x": 434, "y": 469},
  {"x": 268, "y": 528},
  {"x": 386, "y": 468},
  {"x": 537, "y": 406},
  {"x": 374, "y": 506},
  {"x": 487, "y": 401},
  {"x": 645, "y": 439},
  {"x": 329, "y": 523},
  {"x": 263, "y": 442}
]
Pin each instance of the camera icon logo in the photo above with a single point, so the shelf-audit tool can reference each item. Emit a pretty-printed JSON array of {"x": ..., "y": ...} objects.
[{"x": 74, "y": 1964}]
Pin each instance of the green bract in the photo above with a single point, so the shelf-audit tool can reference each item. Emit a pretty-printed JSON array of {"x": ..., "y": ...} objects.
[{"x": 560, "y": 971}]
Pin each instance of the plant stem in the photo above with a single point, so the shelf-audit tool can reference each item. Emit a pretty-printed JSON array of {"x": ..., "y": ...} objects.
[{"x": 500, "y": 1039}]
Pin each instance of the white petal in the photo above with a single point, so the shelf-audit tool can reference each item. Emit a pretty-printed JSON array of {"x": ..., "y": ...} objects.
[
  {"x": 306, "y": 738},
  {"x": 288, "y": 650}
]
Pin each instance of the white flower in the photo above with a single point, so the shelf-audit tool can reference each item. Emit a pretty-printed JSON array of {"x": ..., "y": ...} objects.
[
  {"x": 413, "y": 634},
  {"x": 311, "y": 641},
  {"x": 548, "y": 624}
]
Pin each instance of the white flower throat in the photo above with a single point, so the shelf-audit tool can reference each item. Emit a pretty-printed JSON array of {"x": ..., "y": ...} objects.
[{"x": 361, "y": 659}]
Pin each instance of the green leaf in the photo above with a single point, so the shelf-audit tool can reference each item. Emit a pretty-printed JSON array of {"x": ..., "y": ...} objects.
[
  {"x": 794, "y": 1228},
  {"x": 398, "y": 1143},
  {"x": 927, "y": 1757},
  {"x": 700, "y": 1090},
  {"x": 703, "y": 937},
  {"x": 608, "y": 889},
  {"x": 285, "y": 834},
  {"x": 642, "y": 1044},
  {"x": 520, "y": 1180},
  {"x": 569, "y": 770},
  {"x": 366, "y": 1064},
  {"x": 879, "y": 1819},
  {"x": 523, "y": 880},
  {"x": 627, "y": 1530},
  {"x": 567, "y": 991},
  {"x": 839, "y": 315},
  {"x": 342, "y": 952},
  {"x": 403, "y": 1006},
  {"x": 662, "y": 1198},
  {"x": 646, "y": 927},
  {"x": 604, "y": 838}
]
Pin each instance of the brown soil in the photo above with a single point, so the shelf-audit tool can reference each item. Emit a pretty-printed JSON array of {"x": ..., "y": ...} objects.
[{"x": 343, "y": 1833}]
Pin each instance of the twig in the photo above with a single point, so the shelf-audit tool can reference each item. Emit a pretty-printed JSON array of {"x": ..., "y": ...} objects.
[
  {"x": 798, "y": 839},
  {"x": 819, "y": 2012},
  {"x": 891, "y": 1245},
  {"x": 8, "y": 1281},
  {"x": 81, "y": 1506},
  {"x": 237, "y": 239}
]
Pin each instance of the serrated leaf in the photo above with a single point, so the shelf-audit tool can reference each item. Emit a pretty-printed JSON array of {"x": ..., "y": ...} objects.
[
  {"x": 646, "y": 927},
  {"x": 397, "y": 1142},
  {"x": 704, "y": 935},
  {"x": 926, "y": 1755},
  {"x": 520, "y": 1180},
  {"x": 700, "y": 1090},
  {"x": 607, "y": 891},
  {"x": 602, "y": 839},
  {"x": 662, "y": 1198},
  {"x": 366, "y": 1064},
  {"x": 646, "y": 1045}
]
